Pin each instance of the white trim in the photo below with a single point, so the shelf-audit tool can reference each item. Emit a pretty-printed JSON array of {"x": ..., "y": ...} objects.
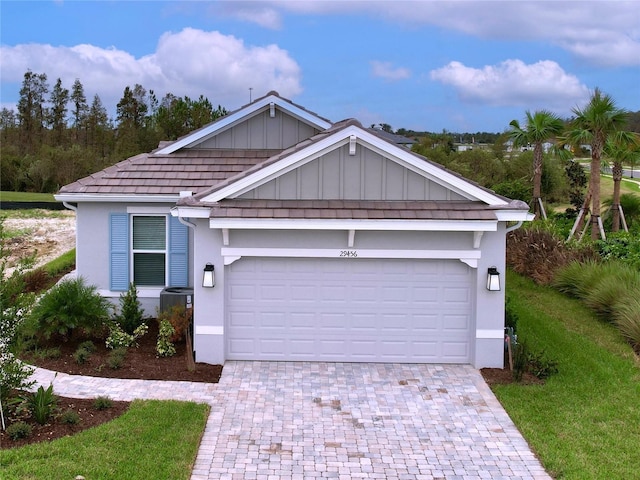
[
  {"x": 350, "y": 224},
  {"x": 136, "y": 210},
  {"x": 191, "y": 212},
  {"x": 514, "y": 215},
  {"x": 493, "y": 333},
  {"x": 209, "y": 330},
  {"x": 240, "y": 115},
  {"x": 143, "y": 292},
  {"x": 462, "y": 255},
  {"x": 120, "y": 198},
  {"x": 477, "y": 239}
]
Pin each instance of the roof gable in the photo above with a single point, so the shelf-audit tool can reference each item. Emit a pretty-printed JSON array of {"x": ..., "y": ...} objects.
[
  {"x": 269, "y": 103},
  {"x": 348, "y": 137}
]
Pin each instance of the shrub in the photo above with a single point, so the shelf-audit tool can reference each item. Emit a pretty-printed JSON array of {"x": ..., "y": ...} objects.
[
  {"x": 89, "y": 346},
  {"x": 19, "y": 430},
  {"x": 621, "y": 246},
  {"x": 81, "y": 355},
  {"x": 627, "y": 319},
  {"x": 45, "y": 353},
  {"x": 164, "y": 345},
  {"x": 614, "y": 283},
  {"x": 15, "y": 305},
  {"x": 130, "y": 316},
  {"x": 70, "y": 305},
  {"x": 118, "y": 338},
  {"x": 540, "y": 366},
  {"x": 511, "y": 316},
  {"x": 116, "y": 358},
  {"x": 179, "y": 316},
  {"x": 70, "y": 417},
  {"x": 102, "y": 403},
  {"x": 42, "y": 404}
]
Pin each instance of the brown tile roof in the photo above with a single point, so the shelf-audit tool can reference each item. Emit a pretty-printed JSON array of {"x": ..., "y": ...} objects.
[
  {"x": 149, "y": 174},
  {"x": 352, "y": 209}
]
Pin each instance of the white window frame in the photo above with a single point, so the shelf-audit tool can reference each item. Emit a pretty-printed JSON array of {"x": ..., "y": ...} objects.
[{"x": 134, "y": 251}]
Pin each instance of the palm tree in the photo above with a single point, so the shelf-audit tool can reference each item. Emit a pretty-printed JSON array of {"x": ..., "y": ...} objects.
[
  {"x": 622, "y": 147},
  {"x": 593, "y": 125},
  {"x": 540, "y": 127}
]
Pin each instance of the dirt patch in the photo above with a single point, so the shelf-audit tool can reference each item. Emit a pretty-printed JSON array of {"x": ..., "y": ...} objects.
[
  {"x": 504, "y": 376},
  {"x": 47, "y": 237}
]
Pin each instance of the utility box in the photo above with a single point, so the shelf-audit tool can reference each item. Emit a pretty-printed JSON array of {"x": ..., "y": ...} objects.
[{"x": 171, "y": 296}]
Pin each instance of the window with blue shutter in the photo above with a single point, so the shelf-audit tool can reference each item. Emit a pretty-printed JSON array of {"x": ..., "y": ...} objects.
[
  {"x": 119, "y": 251},
  {"x": 153, "y": 248},
  {"x": 178, "y": 253}
]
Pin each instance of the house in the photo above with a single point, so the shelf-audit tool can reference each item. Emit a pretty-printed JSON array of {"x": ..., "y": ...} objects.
[{"x": 326, "y": 241}]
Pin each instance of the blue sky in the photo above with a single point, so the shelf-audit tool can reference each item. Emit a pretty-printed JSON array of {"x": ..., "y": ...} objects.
[{"x": 428, "y": 65}]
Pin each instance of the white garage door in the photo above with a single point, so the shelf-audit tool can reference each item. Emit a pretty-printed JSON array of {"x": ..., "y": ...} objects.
[{"x": 349, "y": 310}]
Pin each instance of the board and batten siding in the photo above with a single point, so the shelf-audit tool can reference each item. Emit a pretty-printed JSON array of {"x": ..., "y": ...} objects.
[
  {"x": 262, "y": 132},
  {"x": 340, "y": 176},
  {"x": 120, "y": 253}
]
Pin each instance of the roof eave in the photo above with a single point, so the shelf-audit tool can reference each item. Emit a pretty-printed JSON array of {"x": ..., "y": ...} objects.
[{"x": 115, "y": 198}]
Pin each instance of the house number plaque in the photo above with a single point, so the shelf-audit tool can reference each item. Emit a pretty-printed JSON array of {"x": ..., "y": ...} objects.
[{"x": 349, "y": 253}]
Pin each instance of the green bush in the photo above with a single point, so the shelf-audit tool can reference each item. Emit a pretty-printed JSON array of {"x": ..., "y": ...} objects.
[
  {"x": 541, "y": 366},
  {"x": 118, "y": 338},
  {"x": 71, "y": 305},
  {"x": 70, "y": 417},
  {"x": 613, "y": 285},
  {"x": 102, "y": 403},
  {"x": 88, "y": 345},
  {"x": 19, "y": 430},
  {"x": 116, "y": 358},
  {"x": 81, "y": 355},
  {"x": 164, "y": 345},
  {"x": 130, "y": 316},
  {"x": 627, "y": 318},
  {"x": 621, "y": 246}
]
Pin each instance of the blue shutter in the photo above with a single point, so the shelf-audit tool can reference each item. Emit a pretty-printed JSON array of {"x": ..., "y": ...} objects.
[
  {"x": 119, "y": 251},
  {"x": 178, "y": 253}
]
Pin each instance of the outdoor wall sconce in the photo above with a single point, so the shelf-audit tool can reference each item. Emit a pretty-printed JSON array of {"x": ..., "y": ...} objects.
[
  {"x": 209, "y": 277},
  {"x": 493, "y": 279}
]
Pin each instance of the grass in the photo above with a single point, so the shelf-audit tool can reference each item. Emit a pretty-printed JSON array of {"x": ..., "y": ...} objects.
[
  {"x": 153, "y": 439},
  {"x": 63, "y": 263},
  {"x": 33, "y": 213},
  {"x": 583, "y": 423},
  {"x": 26, "y": 197}
]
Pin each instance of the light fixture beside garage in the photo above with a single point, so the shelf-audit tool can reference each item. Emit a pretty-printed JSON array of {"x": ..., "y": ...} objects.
[
  {"x": 209, "y": 278},
  {"x": 493, "y": 279}
]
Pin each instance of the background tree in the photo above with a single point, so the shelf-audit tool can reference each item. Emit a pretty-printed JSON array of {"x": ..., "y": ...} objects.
[
  {"x": 621, "y": 147},
  {"x": 58, "y": 112},
  {"x": 540, "y": 127},
  {"x": 31, "y": 110},
  {"x": 79, "y": 112},
  {"x": 593, "y": 125}
]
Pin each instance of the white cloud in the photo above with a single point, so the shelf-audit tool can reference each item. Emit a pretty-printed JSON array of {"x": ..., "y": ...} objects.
[
  {"x": 600, "y": 32},
  {"x": 387, "y": 71},
  {"x": 191, "y": 62},
  {"x": 513, "y": 83}
]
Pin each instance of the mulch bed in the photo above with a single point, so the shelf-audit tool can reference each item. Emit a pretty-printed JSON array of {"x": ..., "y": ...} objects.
[
  {"x": 139, "y": 363},
  {"x": 499, "y": 376}
]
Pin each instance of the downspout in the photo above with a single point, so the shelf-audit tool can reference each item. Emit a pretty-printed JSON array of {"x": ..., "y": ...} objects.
[
  {"x": 514, "y": 227},
  {"x": 70, "y": 206}
]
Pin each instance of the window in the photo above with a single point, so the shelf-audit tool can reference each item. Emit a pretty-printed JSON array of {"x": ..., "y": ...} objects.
[{"x": 149, "y": 250}]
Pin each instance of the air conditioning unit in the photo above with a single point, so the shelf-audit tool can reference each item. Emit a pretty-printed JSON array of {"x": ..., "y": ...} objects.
[{"x": 171, "y": 296}]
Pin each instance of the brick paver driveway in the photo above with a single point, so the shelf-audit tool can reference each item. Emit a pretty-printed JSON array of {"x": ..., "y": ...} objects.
[{"x": 273, "y": 420}]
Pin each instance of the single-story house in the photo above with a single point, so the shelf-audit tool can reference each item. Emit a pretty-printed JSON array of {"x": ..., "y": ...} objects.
[{"x": 303, "y": 240}]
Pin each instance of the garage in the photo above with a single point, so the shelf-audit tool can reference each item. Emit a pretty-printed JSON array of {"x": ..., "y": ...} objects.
[{"x": 349, "y": 310}]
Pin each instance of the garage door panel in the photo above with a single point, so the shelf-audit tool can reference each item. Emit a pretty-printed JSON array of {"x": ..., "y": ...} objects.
[{"x": 357, "y": 310}]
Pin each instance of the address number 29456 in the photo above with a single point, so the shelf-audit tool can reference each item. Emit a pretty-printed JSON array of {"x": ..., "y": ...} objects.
[{"x": 348, "y": 253}]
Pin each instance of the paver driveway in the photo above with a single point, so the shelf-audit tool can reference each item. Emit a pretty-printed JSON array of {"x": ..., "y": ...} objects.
[
  {"x": 272, "y": 420},
  {"x": 340, "y": 420}
]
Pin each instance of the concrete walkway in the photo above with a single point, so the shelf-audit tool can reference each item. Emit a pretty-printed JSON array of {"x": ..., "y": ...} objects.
[{"x": 275, "y": 420}]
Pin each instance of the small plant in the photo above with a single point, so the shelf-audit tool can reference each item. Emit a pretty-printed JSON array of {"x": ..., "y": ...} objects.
[
  {"x": 179, "y": 316},
  {"x": 540, "y": 366},
  {"x": 19, "y": 430},
  {"x": 118, "y": 338},
  {"x": 116, "y": 358},
  {"x": 81, "y": 355},
  {"x": 520, "y": 360},
  {"x": 47, "y": 353},
  {"x": 130, "y": 317},
  {"x": 102, "y": 403},
  {"x": 164, "y": 346},
  {"x": 42, "y": 404},
  {"x": 89, "y": 346},
  {"x": 70, "y": 417}
]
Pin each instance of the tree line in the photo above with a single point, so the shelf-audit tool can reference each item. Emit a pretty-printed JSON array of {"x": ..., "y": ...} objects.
[{"x": 57, "y": 135}]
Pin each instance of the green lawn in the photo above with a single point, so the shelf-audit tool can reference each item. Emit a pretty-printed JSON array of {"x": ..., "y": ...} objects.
[
  {"x": 153, "y": 440},
  {"x": 584, "y": 423},
  {"x": 26, "y": 197}
]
